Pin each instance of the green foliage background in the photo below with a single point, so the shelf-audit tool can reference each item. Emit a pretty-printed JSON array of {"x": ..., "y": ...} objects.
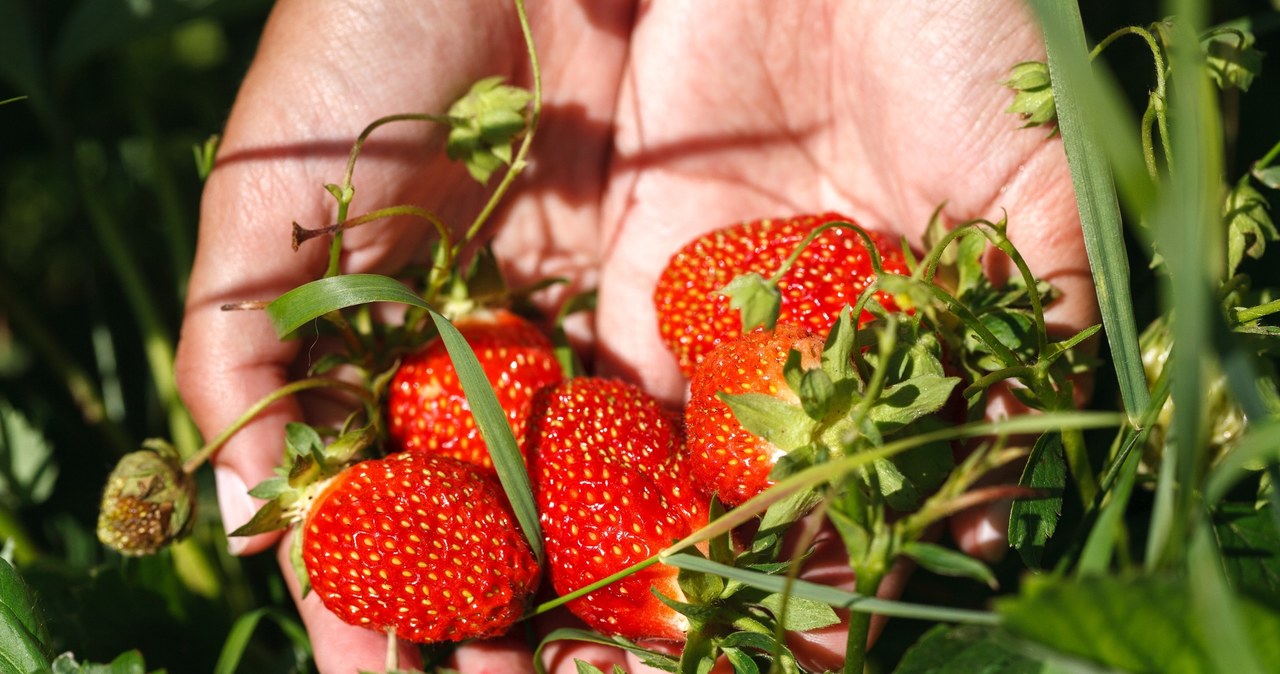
[{"x": 97, "y": 228}]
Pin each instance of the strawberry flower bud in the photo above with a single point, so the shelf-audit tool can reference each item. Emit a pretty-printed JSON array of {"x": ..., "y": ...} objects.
[
  {"x": 148, "y": 503},
  {"x": 1034, "y": 98}
]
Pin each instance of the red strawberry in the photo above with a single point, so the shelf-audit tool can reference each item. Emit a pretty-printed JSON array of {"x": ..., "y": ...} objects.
[
  {"x": 428, "y": 410},
  {"x": 831, "y": 272},
  {"x": 725, "y": 458},
  {"x": 421, "y": 544},
  {"x": 607, "y": 462}
]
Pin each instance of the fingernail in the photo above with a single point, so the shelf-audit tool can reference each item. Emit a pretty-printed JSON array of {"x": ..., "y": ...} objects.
[{"x": 236, "y": 506}]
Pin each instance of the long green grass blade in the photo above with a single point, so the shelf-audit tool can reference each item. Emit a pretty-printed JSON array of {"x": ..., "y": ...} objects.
[
  {"x": 1086, "y": 107},
  {"x": 241, "y": 634},
  {"x": 831, "y": 595}
]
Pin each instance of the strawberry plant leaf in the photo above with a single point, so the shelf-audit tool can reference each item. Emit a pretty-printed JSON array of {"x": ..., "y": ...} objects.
[
  {"x": 817, "y": 392},
  {"x": 1250, "y": 544},
  {"x": 23, "y": 637},
  {"x": 302, "y": 440},
  {"x": 970, "y": 649},
  {"x": 1232, "y": 60},
  {"x": 798, "y": 613},
  {"x": 1131, "y": 623},
  {"x": 949, "y": 562},
  {"x": 741, "y": 662},
  {"x": 904, "y": 403},
  {"x": 1032, "y": 521}
]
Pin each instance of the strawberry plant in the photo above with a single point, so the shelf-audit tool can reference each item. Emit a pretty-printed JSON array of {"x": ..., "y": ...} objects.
[{"x": 479, "y": 471}]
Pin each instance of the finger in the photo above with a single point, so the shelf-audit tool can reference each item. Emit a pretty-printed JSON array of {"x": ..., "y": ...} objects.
[
  {"x": 337, "y": 647},
  {"x": 505, "y": 655}
]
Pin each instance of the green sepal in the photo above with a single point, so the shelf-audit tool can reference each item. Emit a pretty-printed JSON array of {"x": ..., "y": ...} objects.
[
  {"x": 757, "y": 300},
  {"x": 782, "y": 423},
  {"x": 1033, "y": 100},
  {"x": 817, "y": 393},
  {"x": 695, "y": 612},
  {"x": 856, "y": 538},
  {"x": 272, "y": 516},
  {"x": 302, "y": 440},
  {"x": 837, "y": 351},
  {"x": 346, "y": 447},
  {"x": 297, "y": 564},
  {"x": 270, "y": 488}
]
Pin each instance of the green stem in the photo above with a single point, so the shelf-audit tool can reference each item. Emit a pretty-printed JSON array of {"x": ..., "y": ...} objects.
[
  {"x": 13, "y": 533},
  {"x": 201, "y": 455},
  {"x": 868, "y": 582},
  {"x": 519, "y": 162},
  {"x": 1269, "y": 157}
]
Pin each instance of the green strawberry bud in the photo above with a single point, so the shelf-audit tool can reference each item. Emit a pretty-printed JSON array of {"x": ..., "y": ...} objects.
[
  {"x": 149, "y": 502},
  {"x": 1033, "y": 100},
  {"x": 484, "y": 123}
]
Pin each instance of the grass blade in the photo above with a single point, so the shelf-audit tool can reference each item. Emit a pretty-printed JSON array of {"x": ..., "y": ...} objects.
[{"x": 1085, "y": 107}]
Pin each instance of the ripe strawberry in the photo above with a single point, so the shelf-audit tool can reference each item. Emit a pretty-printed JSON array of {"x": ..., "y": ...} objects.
[
  {"x": 831, "y": 272},
  {"x": 724, "y": 458},
  {"x": 421, "y": 544},
  {"x": 427, "y": 409},
  {"x": 611, "y": 492}
]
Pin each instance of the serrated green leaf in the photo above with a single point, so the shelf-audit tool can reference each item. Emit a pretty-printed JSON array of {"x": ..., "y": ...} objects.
[
  {"x": 741, "y": 662},
  {"x": 782, "y": 423},
  {"x": 757, "y": 300},
  {"x": 969, "y": 649},
  {"x": 1131, "y": 623},
  {"x": 1032, "y": 521},
  {"x": 904, "y": 403},
  {"x": 799, "y": 614},
  {"x": 1250, "y": 545},
  {"x": 23, "y": 639},
  {"x": 949, "y": 562}
]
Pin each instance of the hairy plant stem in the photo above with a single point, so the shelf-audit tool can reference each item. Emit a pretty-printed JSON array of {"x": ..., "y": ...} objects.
[{"x": 204, "y": 453}]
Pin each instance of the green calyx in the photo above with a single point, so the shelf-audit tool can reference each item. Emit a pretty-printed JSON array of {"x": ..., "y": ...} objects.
[
  {"x": 1033, "y": 97},
  {"x": 149, "y": 501},
  {"x": 860, "y": 394}
]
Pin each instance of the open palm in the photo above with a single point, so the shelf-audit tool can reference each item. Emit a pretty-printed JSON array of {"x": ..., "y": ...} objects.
[{"x": 662, "y": 120}]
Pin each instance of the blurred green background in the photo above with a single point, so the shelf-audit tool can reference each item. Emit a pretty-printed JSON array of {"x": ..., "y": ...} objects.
[{"x": 97, "y": 228}]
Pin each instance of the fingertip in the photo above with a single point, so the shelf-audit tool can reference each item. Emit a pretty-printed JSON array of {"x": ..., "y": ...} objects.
[
  {"x": 983, "y": 531},
  {"x": 238, "y": 508}
]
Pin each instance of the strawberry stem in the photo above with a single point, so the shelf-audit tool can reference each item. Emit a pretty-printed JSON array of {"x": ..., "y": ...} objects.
[
  {"x": 201, "y": 455},
  {"x": 876, "y": 264}
]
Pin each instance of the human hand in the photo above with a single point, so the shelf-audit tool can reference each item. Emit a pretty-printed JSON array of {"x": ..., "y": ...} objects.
[{"x": 661, "y": 121}]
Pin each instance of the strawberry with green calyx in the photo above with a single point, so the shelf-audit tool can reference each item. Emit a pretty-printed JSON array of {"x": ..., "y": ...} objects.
[
  {"x": 427, "y": 410},
  {"x": 775, "y": 401},
  {"x": 607, "y": 475},
  {"x": 419, "y": 545},
  {"x": 801, "y": 270}
]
